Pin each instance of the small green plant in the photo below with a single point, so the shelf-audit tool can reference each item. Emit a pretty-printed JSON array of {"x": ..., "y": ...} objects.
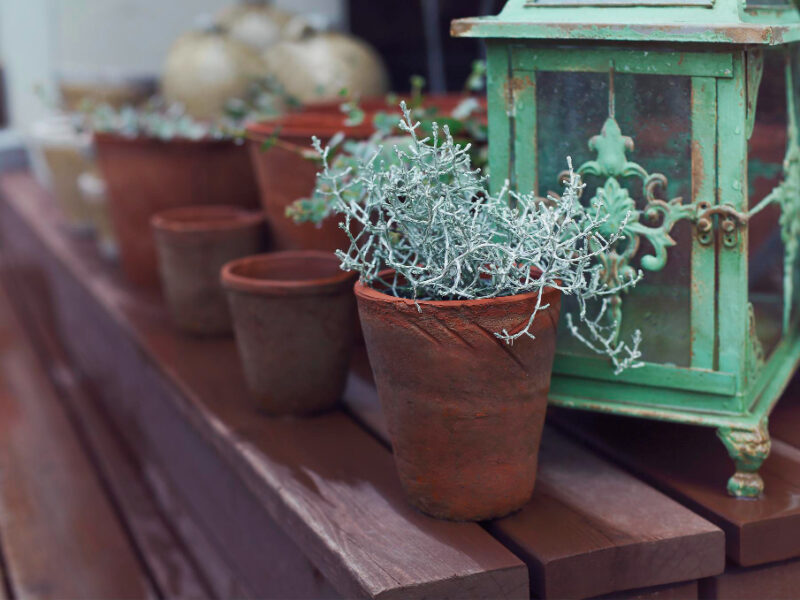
[{"x": 427, "y": 215}]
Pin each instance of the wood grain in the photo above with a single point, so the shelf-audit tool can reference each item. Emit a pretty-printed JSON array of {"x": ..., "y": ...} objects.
[
  {"x": 175, "y": 574},
  {"x": 677, "y": 591},
  {"x": 691, "y": 464},
  {"x": 776, "y": 581},
  {"x": 587, "y": 516},
  {"x": 60, "y": 535},
  {"x": 273, "y": 492}
]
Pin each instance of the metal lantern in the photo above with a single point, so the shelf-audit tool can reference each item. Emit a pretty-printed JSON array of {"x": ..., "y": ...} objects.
[{"x": 657, "y": 102}]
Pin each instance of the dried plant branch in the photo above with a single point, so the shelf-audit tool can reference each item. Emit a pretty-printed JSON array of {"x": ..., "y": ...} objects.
[{"x": 428, "y": 215}]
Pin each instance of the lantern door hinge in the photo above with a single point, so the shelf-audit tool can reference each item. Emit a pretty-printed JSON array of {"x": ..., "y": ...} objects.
[{"x": 729, "y": 221}]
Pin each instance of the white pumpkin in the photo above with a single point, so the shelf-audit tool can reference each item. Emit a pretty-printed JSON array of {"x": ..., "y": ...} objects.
[
  {"x": 204, "y": 69},
  {"x": 319, "y": 65},
  {"x": 257, "y": 24}
]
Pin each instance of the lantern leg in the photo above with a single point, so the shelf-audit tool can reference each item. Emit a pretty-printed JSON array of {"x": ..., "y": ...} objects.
[{"x": 748, "y": 448}]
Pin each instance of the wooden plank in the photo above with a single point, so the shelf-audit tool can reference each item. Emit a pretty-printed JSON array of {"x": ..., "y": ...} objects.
[
  {"x": 678, "y": 591},
  {"x": 589, "y": 517},
  {"x": 271, "y": 491},
  {"x": 691, "y": 464},
  {"x": 61, "y": 537},
  {"x": 777, "y": 581},
  {"x": 168, "y": 561}
]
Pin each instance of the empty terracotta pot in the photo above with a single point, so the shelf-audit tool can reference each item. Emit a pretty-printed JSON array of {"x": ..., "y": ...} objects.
[
  {"x": 465, "y": 410},
  {"x": 285, "y": 175},
  {"x": 193, "y": 244},
  {"x": 145, "y": 175},
  {"x": 294, "y": 316}
]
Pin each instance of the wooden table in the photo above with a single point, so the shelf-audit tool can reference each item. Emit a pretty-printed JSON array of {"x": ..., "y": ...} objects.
[{"x": 313, "y": 508}]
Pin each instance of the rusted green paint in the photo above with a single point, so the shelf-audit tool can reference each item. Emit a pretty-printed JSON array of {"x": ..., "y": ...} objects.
[
  {"x": 625, "y": 60},
  {"x": 728, "y": 382},
  {"x": 645, "y": 32},
  {"x": 695, "y": 21},
  {"x": 704, "y": 257},
  {"x": 499, "y": 104}
]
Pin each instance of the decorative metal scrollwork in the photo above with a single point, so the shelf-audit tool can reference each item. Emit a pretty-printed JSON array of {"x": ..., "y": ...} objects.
[
  {"x": 657, "y": 217},
  {"x": 787, "y": 195}
]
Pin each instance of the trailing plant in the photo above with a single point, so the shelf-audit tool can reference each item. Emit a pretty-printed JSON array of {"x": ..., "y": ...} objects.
[
  {"x": 163, "y": 121},
  {"x": 427, "y": 214},
  {"x": 466, "y": 122}
]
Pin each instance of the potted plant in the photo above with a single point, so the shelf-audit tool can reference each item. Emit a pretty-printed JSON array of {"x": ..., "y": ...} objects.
[
  {"x": 286, "y": 169},
  {"x": 459, "y": 298},
  {"x": 158, "y": 157}
]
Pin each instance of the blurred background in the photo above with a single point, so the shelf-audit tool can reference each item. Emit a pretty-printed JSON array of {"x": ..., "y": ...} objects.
[{"x": 49, "y": 43}]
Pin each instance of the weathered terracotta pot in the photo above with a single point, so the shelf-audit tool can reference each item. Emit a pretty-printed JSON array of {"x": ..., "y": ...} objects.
[
  {"x": 465, "y": 410},
  {"x": 193, "y": 244},
  {"x": 443, "y": 103},
  {"x": 294, "y": 316},
  {"x": 144, "y": 176},
  {"x": 284, "y": 175}
]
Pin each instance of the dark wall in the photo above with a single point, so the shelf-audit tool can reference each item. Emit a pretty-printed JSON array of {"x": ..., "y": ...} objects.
[{"x": 397, "y": 30}]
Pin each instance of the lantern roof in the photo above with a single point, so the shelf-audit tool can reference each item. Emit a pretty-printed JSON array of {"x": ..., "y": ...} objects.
[{"x": 768, "y": 22}]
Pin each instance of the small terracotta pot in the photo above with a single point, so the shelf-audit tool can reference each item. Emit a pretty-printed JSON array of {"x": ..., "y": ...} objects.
[
  {"x": 144, "y": 176},
  {"x": 193, "y": 244},
  {"x": 294, "y": 316},
  {"x": 284, "y": 175},
  {"x": 465, "y": 410}
]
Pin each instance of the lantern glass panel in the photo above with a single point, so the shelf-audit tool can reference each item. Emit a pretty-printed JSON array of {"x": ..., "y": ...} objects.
[
  {"x": 655, "y": 112},
  {"x": 766, "y": 151}
]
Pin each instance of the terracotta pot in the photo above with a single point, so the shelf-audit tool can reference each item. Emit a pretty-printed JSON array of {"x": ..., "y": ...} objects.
[
  {"x": 465, "y": 410},
  {"x": 93, "y": 189},
  {"x": 193, "y": 244},
  {"x": 445, "y": 104},
  {"x": 284, "y": 175},
  {"x": 294, "y": 315},
  {"x": 61, "y": 155},
  {"x": 144, "y": 176}
]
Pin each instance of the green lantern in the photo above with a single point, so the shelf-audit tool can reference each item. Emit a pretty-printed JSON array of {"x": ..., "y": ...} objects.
[{"x": 657, "y": 103}]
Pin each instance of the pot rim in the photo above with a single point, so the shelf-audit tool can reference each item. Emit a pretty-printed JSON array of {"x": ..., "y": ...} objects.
[
  {"x": 242, "y": 283},
  {"x": 306, "y": 125},
  {"x": 107, "y": 137},
  {"x": 381, "y": 103},
  {"x": 362, "y": 290},
  {"x": 213, "y": 217}
]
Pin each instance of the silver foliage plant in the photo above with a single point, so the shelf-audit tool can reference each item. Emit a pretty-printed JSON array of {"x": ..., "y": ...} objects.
[{"x": 428, "y": 216}]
